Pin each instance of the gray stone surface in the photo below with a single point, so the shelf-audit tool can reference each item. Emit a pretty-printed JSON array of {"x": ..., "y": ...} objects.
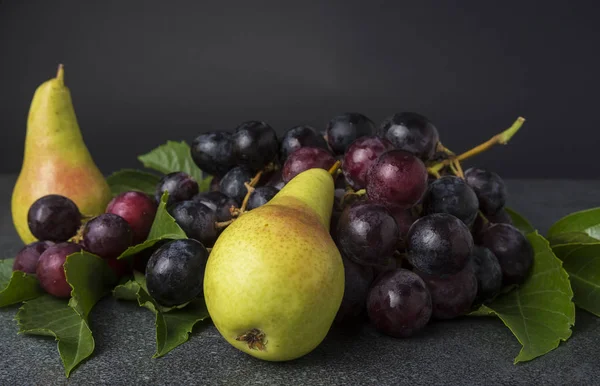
[{"x": 474, "y": 351}]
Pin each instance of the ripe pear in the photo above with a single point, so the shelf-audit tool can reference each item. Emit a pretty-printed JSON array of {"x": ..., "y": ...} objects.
[
  {"x": 56, "y": 160},
  {"x": 274, "y": 280}
]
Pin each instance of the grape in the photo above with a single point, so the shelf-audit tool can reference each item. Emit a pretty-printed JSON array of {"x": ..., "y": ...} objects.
[
  {"x": 213, "y": 152},
  {"x": 367, "y": 233},
  {"x": 480, "y": 224},
  {"x": 255, "y": 145},
  {"x": 452, "y": 195},
  {"x": 306, "y": 158},
  {"x": 175, "y": 272},
  {"x": 451, "y": 295},
  {"x": 512, "y": 249},
  {"x": 411, "y": 132},
  {"x": 361, "y": 154},
  {"x": 489, "y": 188},
  {"x": 300, "y": 136},
  {"x": 488, "y": 273},
  {"x": 54, "y": 218},
  {"x": 276, "y": 180},
  {"x": 181, "y": 187},
  {"x": 404, "y": 219},
  {"x": 357, "y": 281},
  {"x": 399, "y": 303},
  {"x": 138, "y": 209},
  {"x": 500, "y": 217},
  {"x": 261, "y": 196},
  {"x": 27, "y": 258},
  {"x": 140, "y": 259},
  {"x": 232, "y": 183},
  {"x": 50, "y": 269},
  {"x": 397, "y": 178},
  {"x": 107, "y": 235},
  {"x": 344, "y": 129},
  {"x": 439, "y": 244},
  {"x": 196, "y": 220},
  {"x": 218, "y": 202},
  {"x": 214, "y": 184},
  {"x": 120, "y": 268}
]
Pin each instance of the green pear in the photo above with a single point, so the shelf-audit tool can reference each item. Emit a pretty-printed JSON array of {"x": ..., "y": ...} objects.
[{"x": 275, "y": 279}]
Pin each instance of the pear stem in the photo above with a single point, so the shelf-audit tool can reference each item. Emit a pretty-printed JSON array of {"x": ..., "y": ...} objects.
[
  {"x": 60, "y": 74},
  {"x": 333, "y": 169}
]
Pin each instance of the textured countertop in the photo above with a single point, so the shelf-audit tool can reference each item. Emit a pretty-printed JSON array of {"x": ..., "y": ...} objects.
[{"x": 465, "y": 351}]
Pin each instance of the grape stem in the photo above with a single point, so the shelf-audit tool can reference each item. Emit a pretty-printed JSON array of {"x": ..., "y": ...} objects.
[
  {"x": 333, "y": 169},
  {"x": 236, "y": 212}
]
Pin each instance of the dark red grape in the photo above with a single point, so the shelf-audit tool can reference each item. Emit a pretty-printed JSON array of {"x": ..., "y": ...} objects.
[
  {"x": 452, "y": 195},
  {"x": 196, "y": 220},
  {"x": 397, "y": 178},
  {"x": 175, "y": 272},
  {"x": 120, "y": 268},
  {"x": 512, "y": 249},
  {"x": 261, "y": 196},
  {"x": 411, "y": 132},
  {"x": 359, "y": 157},
  {"x": 213, "y": 152},
  {"x": 439, "y": 244},
  {"x": 488, "y": 273},
  {"x": 181, "y": 187},
  {"x": 218, "y": 202},
  {"x": 367, "y": 233},
  {"x": 306, "y": 158},
  {"x": 489, "y": 188},
  {"x": 107, "y": 235},
  {"x": 275, "y": 180},
  {"x": 344, "y": 129},
  {"x": 50, "y": 269},
  {"x": 399, "y": 303},
  {"x": 300, "y": 136},
  {"x": 138, "y": 209},
  {"x": 53, "y": 217},
  {"x": 255, "y": 145},
  {"x": 27, "y": 258},
  {"x": 357, "y": 281},
  {"x": 232, "y": 183},
  {"x": 404, "y": 219}
]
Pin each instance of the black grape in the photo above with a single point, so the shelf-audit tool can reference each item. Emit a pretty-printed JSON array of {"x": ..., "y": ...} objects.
[
  {"x": 53, "y": 217},
  {"x": 344, "y": 129},
  {"x": 255, "y": 145},
  {"x": 452, "y": 195},
  {"x": 197, "y": 220},
  {"x": 489, "y": 188},
  {"x": 107, "y": 235},
  {"x": 300, "y": 136},
  {"x": 181, "y": 187},
  {"x": 213, "y": 152},
  {"x": 411, "y": 132}
]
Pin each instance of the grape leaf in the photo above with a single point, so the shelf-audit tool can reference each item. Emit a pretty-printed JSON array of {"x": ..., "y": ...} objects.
[
  {"x": 175, "y": 157},
  {"x": 17, "y": 286},
  {"x": 520, "y": 222},
  {"x": 130, "y": 179},
  {"x": 174, "y": 324},
  {"x": 571, "y": 238},
  {"x": 582, "y": 262},
  {"x": 540, "y": 313},
  {"x": 586, "y": 221},
  {"x": 67, "y": 320},
  {"x": 164, "y": 227}
]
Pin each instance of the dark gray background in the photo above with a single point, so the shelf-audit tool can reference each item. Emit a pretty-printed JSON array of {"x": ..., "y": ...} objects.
[{"x": 143, "y": 72}]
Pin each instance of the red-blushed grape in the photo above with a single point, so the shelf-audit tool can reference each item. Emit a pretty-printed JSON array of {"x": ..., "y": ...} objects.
[
  {"x": 50, "y": 269},
  {"x": 304, "y": 159},
  {"x": 28, "y": 256},
  {"x": 361, "y": 154},
  {"x": 138, "y": 209}
]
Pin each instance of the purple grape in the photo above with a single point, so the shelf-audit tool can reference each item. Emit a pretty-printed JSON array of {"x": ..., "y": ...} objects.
[
  {"x": 399, "y": 303},
  {"x": 344, "y": 129},
  {"x": 107, "y": 235},
  {"x": 404, "y": 220},
  {"x": 304, "y": 159},
  {"x": 439, "y": 244},
  {"x": 213, "y": 152},
  {"x": 300, "y": 136},
  {"x": 512, "y": 249},
  {"x": 138, "y": 209},
  {"x": 357, "y": 281},
  {"x": 255, "y": 145},
  {"x": 411, "y": 132},
  {"x": 397, "y": 178},
  {"x": 214, "y": 184},
  {"x": 27, "y": 258},
  {"x": 233, "y": 183},
  {"x": 488, "y": 273},
  {"x": 367, "y": 233},
  {"x": 261, "y": 196},
  {"x": 53, "y": 217},
  {"x": 196, "y": 220},
  {"x": 489, "y": 188},
  {"x": 359, "y": 157},
  {"x": 181, "y": 187},
  {"x": 275, "y": 180},
  {"x": 452, "y": 195},
  {"x": 50, "y": 269},
  {"x": 217, "y": 202},
  {"x": 480, "y": 224},
  {"x": 451, "y": 295}
]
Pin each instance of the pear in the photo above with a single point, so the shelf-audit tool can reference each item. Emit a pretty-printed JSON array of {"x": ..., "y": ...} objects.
[
  {"x": 56, "y": 160},
  {"x": 274, "y": 280}
]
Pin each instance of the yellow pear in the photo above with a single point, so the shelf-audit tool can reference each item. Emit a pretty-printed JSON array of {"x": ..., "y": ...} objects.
[
  {"x": 56, "y": 160},
  {"x": 274, "y": 280}
]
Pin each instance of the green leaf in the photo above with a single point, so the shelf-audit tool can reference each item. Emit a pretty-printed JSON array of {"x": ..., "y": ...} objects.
[
  {"x": 16, "y": 286},
  {"x": 164, "y": 227},
  {"x": 582, "y": 262},
  {"x": 175, "y": 157},
  {"x": 174, "y": 324},
  {"x": 520, "y": 222},
  {"x": 586, "y": 221},
  {"x": 572, "y": 238},
  {"x": 130, "y": 179},
  {"x": 67, "y": 320},
  {"x": 540, "y": 312},
  {"x": 50, "y": 316}
]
